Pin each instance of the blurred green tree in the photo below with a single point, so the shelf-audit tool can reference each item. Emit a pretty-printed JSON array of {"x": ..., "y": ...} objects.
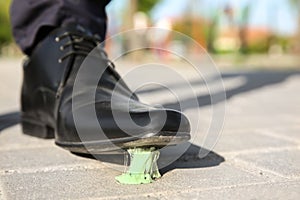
[
  {"x": 212, "y": 32},
  {"x": 5, "y": 31},
  {"x": 146, "y": 5},
  {"x": 296, "y": 4},
  {"x": 244, "y": 28}
]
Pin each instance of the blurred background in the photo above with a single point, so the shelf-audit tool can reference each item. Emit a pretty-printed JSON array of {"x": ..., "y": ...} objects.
[
  {"x": 235, "y": 32},
  {"x": 256, "y": 47}
]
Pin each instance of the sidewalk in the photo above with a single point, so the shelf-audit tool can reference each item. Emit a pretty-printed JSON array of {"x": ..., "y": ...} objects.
[{"x": 256, "y": 157}]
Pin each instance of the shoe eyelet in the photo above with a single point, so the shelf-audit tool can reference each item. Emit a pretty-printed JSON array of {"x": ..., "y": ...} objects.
[
  {"x": 57, "y": 39},
  {"x": 61, "y": 48}
]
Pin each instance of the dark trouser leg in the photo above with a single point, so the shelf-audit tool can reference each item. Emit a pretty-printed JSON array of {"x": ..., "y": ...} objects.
[{"x": 33, "y": 19}]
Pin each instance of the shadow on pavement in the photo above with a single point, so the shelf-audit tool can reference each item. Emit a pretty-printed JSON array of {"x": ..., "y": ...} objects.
[
  {"x": 253, "y": 80},
  {"x": 9, "y": 119},
  {"x": 189, "y": 159}
]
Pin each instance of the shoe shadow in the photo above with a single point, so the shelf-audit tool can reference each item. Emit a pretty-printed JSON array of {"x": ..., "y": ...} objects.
[
  {"x": 9, "y": 119},
  {"x": 171, "y": 157}
]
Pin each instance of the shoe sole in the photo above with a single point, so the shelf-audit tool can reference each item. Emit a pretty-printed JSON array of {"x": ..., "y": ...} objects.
[
  {"x": 109, "y": 146},
  {"x": 37, "y": 129}
]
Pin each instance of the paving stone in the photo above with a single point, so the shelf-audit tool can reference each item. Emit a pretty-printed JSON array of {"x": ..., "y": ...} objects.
[
  {"x": 38, "y": 158},
  {"x": 139, "y": 197},
  {"x": 221, "y": 175},
  {"x": 251, "y": 122},
  {"x": 1, "y": 192},
  {"x": 285, "y": 133},
  {"x": 13, "y": 139},
  {"x": 285, "y": 162},
  {"x": 100, "y": 183},
  {"x": 284, "y": 190},
  {"x": 10, "y": 84},
  {"x": 235, "y": 141},
  {"x": 57, "y": 184}
]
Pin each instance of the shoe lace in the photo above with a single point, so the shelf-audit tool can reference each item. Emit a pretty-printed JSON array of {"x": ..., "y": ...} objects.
[{"x": 82, "y": 45}]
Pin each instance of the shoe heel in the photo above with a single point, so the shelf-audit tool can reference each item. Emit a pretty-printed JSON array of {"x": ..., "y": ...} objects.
[{"x": 37, "y": 129}]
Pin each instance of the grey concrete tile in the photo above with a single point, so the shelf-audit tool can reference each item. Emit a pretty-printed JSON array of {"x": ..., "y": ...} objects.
[
  {"x": 222, "y": 175},
  {"x": 140, "y": 197},
  {"x": 284, "y": 190},
  {"x": 1, "y": 192},
  {"x": 291, "y": 133},
  {"x": 72, "y": 184},
  {"x": 38, "y": 158},
  {"x": 248, "y": 140},
  {"x": 246, "y": 121},
  {"x": 10, "y": 84},
  {"x": 100, "y": 183},
  {"x": 13, "y": 139},
  {"x": 58, "y": 184},
  {"x": 285, "y": 162}
]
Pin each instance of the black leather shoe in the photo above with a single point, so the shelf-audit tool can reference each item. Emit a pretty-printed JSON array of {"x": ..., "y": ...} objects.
[{"x": 51, "y": 109}]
